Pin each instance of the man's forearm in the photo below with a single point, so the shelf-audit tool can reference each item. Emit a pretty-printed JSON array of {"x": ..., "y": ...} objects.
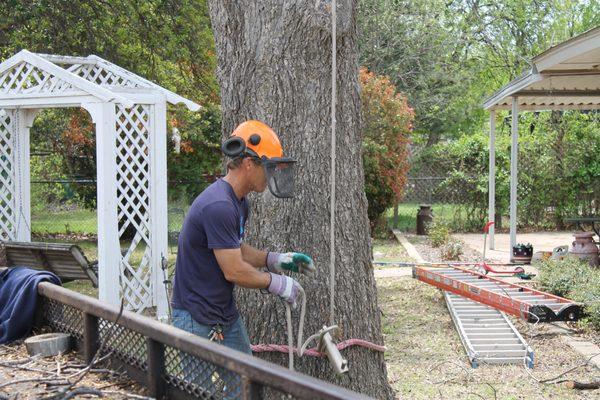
[
  {"x": 248, "y": 277},
  {"x": 256, "y": 258}
]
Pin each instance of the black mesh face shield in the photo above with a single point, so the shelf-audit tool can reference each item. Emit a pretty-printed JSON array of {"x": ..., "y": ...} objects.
[{"x": 280, "y": 176}]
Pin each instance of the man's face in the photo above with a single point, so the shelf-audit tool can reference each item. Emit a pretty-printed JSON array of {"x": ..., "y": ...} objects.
[{"x": 256, "y": 174}]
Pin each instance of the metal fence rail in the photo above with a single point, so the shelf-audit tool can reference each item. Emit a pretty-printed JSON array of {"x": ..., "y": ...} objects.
[{"x": 168, "y": 361}]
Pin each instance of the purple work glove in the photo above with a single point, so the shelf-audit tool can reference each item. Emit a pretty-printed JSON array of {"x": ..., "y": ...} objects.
[{"x": 284, "y": 287}]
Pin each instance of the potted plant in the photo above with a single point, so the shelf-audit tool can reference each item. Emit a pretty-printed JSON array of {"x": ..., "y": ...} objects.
[{"x": 522, "y": 253}]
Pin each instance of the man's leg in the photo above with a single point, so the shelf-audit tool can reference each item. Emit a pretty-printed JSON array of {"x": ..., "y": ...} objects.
[
  {"x": 235, "y": 337},
  {"x": 194, "y": 370}
]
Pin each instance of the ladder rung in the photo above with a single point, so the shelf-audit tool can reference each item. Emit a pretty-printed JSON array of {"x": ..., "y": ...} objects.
[
  {"x": 499, "y": 346},
  {"x": 506, "y": 329}
]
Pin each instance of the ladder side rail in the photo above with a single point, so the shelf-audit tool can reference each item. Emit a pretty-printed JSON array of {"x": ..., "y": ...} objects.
[
  {"x": 496, "y": 300},
  {"x": 525, "y": 288},
  {"x": 471, "y": 353}
]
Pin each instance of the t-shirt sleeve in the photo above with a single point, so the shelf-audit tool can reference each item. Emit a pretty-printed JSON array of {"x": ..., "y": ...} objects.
[{"x": 221, "y": 226}]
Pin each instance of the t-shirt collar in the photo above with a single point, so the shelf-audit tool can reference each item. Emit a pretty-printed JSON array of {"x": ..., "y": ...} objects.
[{"x": 231, "y": 191}]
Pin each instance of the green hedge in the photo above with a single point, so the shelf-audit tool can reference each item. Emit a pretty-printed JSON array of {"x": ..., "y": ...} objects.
[
  {"x": 559, "y": 170},
  {"x": 575, "y": 280}
]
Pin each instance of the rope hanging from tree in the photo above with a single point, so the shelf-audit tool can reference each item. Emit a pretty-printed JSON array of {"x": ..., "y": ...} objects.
[{"x": 301, "y": 347}]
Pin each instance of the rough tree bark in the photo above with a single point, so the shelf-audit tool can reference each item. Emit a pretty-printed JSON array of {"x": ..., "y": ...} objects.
[{"x": 274, "y": 64}]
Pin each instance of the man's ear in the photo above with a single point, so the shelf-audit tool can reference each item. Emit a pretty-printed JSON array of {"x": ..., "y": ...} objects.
[{"x": 247, "y": 163}]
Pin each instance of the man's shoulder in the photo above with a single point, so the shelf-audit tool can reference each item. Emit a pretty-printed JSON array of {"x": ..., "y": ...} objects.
[{"x": 213, "y": 200}]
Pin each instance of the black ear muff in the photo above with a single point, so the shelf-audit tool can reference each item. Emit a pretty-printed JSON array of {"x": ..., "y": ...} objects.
[
  {"x": 254, "y": 139},
  {"x": 233, "y": 147}
]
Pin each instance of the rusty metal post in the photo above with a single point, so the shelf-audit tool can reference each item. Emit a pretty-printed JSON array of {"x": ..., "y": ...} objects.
[
  {"x": 251, "y": 390},
  {"x": 91, "y": 340},
  {"x": 156, "y": 368}
]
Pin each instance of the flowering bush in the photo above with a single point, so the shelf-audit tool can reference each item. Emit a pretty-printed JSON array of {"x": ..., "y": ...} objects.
[{"x": 387, "y": 123}]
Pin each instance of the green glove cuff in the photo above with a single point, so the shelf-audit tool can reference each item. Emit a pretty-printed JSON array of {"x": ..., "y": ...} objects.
[{"x": 297, "y": 260}]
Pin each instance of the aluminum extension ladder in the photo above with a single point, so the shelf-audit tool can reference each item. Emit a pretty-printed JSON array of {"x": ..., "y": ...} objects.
[
  {"x": 486, "y": 333},
  {"x": 521, "y": 301}
]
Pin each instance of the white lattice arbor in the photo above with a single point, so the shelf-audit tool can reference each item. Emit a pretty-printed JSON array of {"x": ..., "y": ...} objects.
[{"x": 129, "y": 113}]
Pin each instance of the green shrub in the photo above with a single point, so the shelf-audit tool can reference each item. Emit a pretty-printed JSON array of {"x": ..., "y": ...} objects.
[
  {"x": 387, "y": 123},
  {"x": 561, "y": 276},
  {"x": 452, "y": 250},
  {"x": 575, "y": 280},
  {"x": 439, "y": 233}
]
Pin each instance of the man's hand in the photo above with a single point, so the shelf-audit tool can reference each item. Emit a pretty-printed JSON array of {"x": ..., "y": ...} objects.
[
  {"x": 295, "y": 262},
  {"x": 284, "y": 287}
]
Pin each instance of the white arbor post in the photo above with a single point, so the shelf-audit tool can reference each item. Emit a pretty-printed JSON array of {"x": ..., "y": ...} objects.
[
  {"x": 130, "y": 117},
  {"x": 8, "y": 210},
  {"x": 158, "y": 205},
  {"x": 492, "y": 179},
  {"x": 23, "y": 122},
  {"x": 514, "y": 154},
  {"x": 109, "y": 254}
]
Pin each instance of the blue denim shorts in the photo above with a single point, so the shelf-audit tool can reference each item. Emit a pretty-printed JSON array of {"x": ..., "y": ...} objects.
[
  {"x": 235, "y": 335},
  {"x": 213, "y": 381}
]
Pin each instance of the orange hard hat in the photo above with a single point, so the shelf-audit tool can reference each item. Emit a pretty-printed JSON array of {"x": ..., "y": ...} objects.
[
  {"x": 257, "y": 140},
  {"x": 254, "y": 138}
]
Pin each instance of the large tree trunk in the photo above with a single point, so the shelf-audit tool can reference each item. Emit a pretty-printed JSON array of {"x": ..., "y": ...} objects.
[{"x": 274, "y": 64}]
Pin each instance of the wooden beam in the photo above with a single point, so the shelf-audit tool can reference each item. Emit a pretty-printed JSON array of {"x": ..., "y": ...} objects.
[
  {"x": 570, "y": 72},
  {"x": 514, "y": 155},
  {"x": 492, "y": 178},
  {"x": 558, "y": 93}
]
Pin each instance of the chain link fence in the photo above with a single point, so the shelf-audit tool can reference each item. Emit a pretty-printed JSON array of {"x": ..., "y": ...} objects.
[
  {"x": 558, "y": 175},
  {"x": 66, "y": 209}
]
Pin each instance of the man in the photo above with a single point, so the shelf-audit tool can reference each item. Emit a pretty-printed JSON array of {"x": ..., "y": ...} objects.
[{"x": 212, "y": 257}]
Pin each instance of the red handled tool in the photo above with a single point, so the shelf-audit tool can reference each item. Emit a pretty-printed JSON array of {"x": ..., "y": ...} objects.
[{"x": 484, "y": 267}]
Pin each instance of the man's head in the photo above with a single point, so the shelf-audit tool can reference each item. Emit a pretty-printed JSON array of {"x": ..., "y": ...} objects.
[
  {"x": 256, "y": 158},
  {"x": 250, "y": 171}
]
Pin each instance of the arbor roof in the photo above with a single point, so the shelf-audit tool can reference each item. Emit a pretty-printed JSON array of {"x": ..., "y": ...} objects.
[
  {"x": 30, "y": 79},
  {"x": 566, "y": 76}
]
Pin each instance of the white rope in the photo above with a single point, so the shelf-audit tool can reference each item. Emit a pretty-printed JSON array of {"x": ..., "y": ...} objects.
[
  {"x": 290, "y": 330},
  {"x": 288, "y": 311},
  {"x": 332, "y": 177}
]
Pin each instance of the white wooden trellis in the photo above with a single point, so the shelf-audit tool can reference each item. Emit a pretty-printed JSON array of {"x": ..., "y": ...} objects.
[{"x": 129, "y": 113}]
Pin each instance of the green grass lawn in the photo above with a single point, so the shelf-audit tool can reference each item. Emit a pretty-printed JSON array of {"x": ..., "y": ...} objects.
[
  {"x": 85, "y": 221},
  {"x": 407, "y": 215},
  {"x": 79, "y": 221}
]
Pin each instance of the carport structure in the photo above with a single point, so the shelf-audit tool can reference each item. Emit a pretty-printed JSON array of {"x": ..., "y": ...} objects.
[
  {"x": 129, "y": 113},
  {"x": 564, "y": 77}
]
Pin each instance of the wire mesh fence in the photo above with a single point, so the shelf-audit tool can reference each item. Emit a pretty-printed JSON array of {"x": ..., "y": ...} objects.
[
  {"x": 66, "y": 209},
  {"x": 169, "y": 362}
]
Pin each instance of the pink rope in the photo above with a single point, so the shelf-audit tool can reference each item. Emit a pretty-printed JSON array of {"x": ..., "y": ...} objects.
[{"x": 282, "y": 348}]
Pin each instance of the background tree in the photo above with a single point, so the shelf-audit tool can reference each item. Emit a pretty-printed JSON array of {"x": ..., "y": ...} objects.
[
  {"x": 387, "y": 123},
  {"x": 274, "y": 64},
  {"x": 167, "y": 41}
]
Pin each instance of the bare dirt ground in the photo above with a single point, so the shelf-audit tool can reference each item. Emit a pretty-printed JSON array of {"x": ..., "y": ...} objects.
[
  {"x": 25, "y": 377},
  {"x": 426, "y": 359}
]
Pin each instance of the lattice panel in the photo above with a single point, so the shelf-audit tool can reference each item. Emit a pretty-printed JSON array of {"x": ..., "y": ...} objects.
[
  {"x": 199, "y": 378},
  {"x": 24, "y": 78},
  {"x": 101, "y": 76},
  {"x": 7, "y": 176},
  {"x": 133, "y": 203},
  {"x": 62, "y": 318},
  {"x": 127, "y": 345}
]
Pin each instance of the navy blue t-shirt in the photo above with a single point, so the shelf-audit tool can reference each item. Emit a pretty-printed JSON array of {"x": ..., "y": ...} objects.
[{"x": 215, "y": 220}]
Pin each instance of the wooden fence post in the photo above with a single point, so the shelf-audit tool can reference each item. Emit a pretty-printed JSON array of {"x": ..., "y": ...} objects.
[
  {"x": 156, "y": 368},
  {"x": 251, "y": 390},
  {"x": 91, "y": 339}
]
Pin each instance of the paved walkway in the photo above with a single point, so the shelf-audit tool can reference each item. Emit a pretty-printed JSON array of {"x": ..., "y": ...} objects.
[{"x": 541, "y": 241}]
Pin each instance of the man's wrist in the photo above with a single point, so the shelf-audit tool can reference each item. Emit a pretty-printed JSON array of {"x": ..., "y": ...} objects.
[{"x": 271, "y": 263}]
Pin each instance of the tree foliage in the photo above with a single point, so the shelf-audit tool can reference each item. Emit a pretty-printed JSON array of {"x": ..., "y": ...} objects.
[
  {"x": 166, "y": 41},
  {"x": 387, "y": 122},
  {"x": 447, "y": 56}
]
